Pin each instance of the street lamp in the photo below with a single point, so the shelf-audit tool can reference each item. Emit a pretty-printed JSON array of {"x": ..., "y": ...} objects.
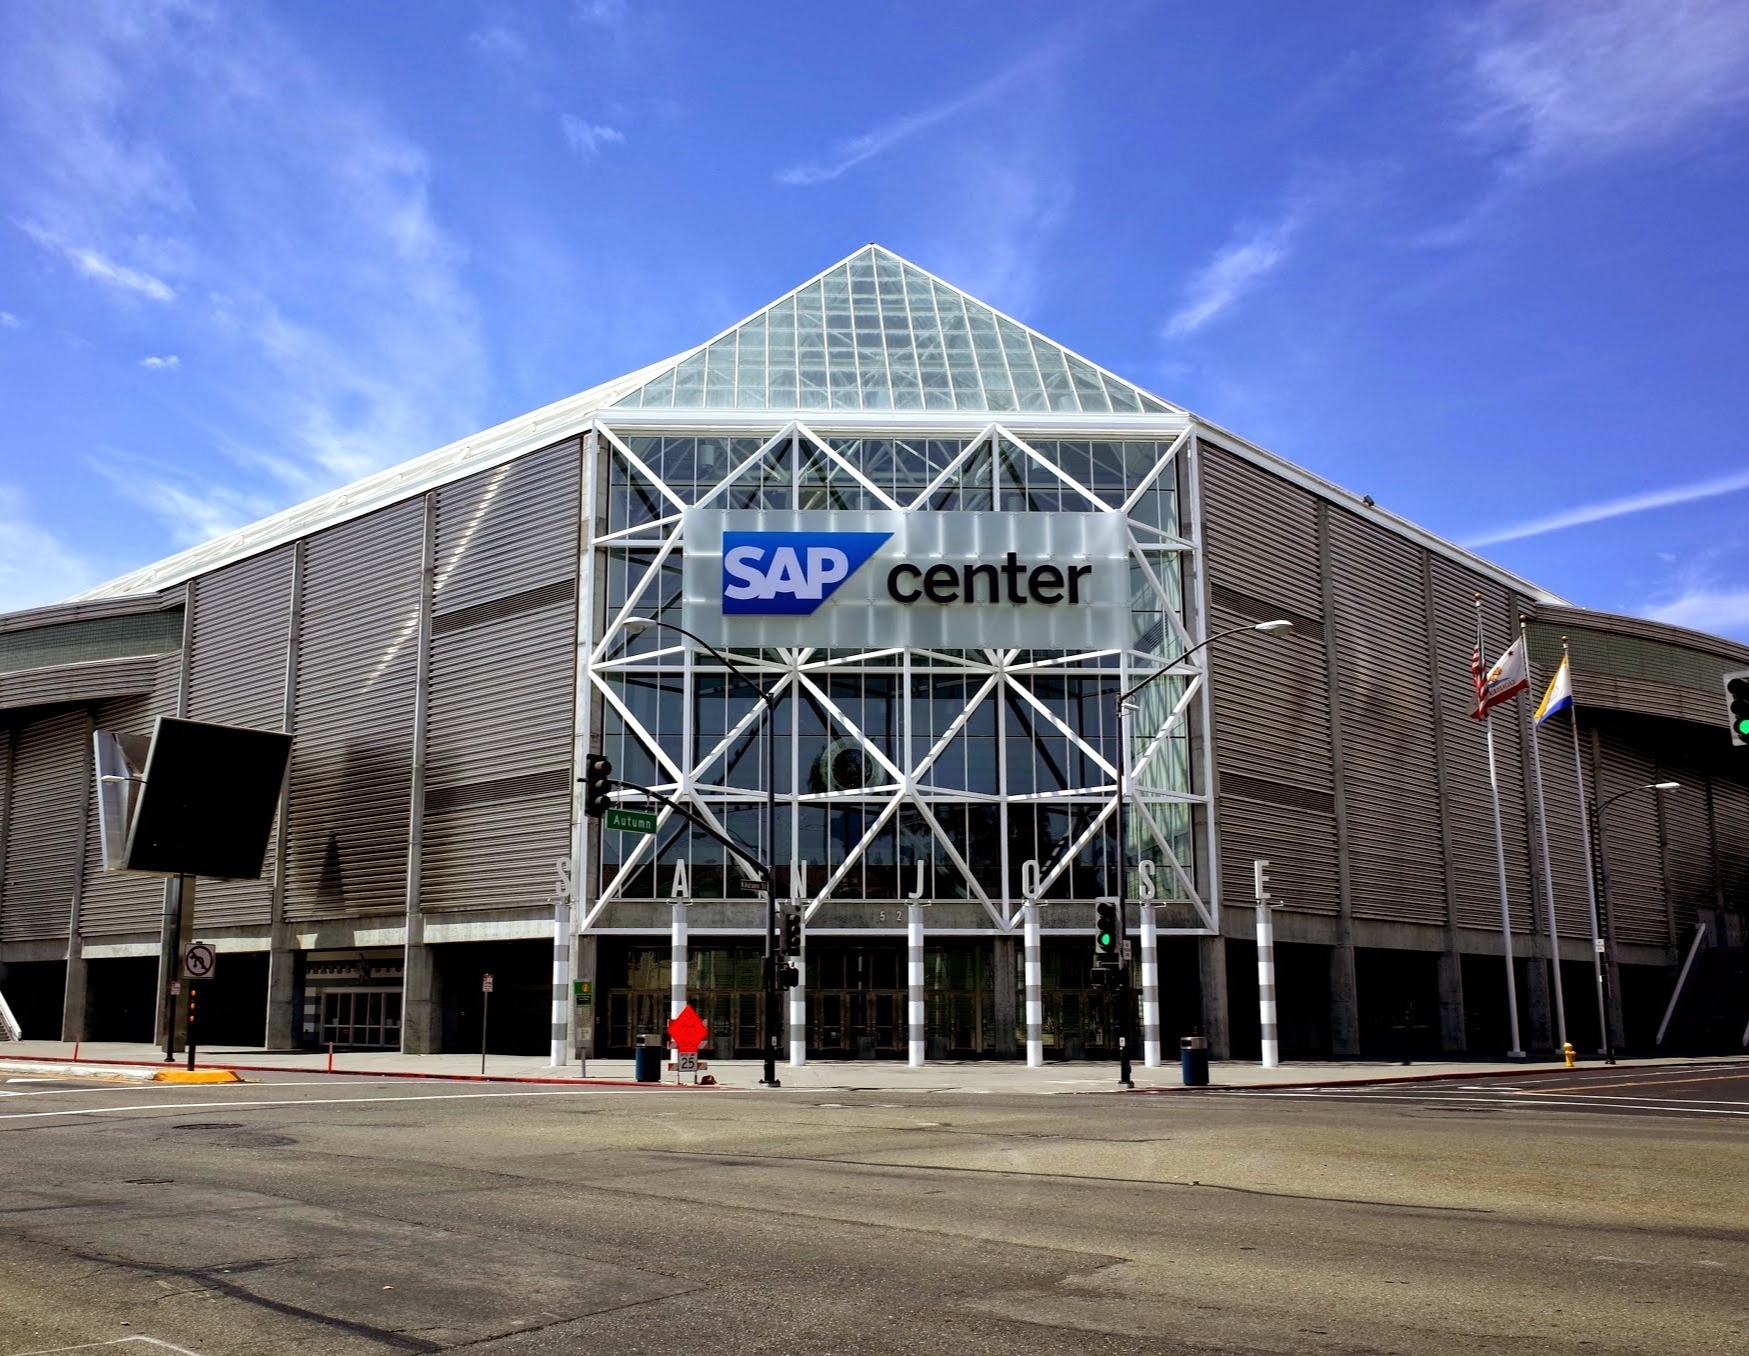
[
  {"x": 1601, "y": 942},
  {"x": 1126, "y": 705},
  {"x": 636, "y": 626}
]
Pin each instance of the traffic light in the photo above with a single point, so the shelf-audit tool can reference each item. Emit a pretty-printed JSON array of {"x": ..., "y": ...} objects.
[
  {"x": 1105, "y": 933},
  {"x": 597, "y": 793},
  {"x": 789, "y": 941},
  {"x": 1737, "y": 695}
]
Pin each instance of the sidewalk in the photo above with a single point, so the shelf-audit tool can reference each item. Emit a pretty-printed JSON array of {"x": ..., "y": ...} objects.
[{"x": 977, "y": 1076}]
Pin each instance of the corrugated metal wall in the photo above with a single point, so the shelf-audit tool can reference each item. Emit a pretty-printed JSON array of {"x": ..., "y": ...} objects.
[
  {"x": 43, "y": 830},
  {"x": 1688, "y": 848},
  {"x": 498, "y": 731},
  {"x": 1385, "y": 692},
  {"x": 1631, "y": 844},
  {"x": 1566, "y": 818},
  {"x": 357, "y": 643},
  {"x": 238, "y": 635},
  {"x": 1270, "y": 696}
]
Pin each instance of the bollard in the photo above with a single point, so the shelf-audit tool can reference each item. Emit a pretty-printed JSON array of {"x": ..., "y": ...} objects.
[
  {"x": 330, "y": 1056},
  {"x": 1568, "y": 1052},
  {"x": 1193, "y": 1061}
]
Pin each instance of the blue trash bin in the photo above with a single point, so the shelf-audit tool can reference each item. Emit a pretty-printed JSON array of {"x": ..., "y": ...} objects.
[
  {"x": 647, "y": 1060},
  {"x": 1193, "y": 1060}
]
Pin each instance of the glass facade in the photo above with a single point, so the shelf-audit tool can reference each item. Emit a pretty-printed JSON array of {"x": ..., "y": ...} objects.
[{"x": 930, "y": 776}]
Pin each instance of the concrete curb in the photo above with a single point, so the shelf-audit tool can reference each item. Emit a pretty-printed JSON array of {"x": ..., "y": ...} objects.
[
  {"x": 35, "y": 1064},
  {"x": 1548, "y": 1071},
  {"x": 93, "y": 1068}
]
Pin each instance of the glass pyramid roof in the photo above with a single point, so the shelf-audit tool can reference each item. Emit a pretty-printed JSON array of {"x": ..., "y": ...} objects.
[{"x": 878, "y": 333}]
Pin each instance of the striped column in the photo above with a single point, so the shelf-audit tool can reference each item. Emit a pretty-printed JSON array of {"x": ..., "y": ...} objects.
[
  {"x": 1266, "y": 987},
  {"x": 561, "y": 985},
  {"x": 677, "y": 965},
  {"x": 914, "y": 977},
  {"x": 1150, "y": 988},
  {"x": 798, "y": 1015},
  {"x": 1035, "y": 1006}
]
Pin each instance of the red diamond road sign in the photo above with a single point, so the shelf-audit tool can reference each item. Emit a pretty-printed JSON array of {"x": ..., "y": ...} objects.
[{"x": 687, "y": 1030}]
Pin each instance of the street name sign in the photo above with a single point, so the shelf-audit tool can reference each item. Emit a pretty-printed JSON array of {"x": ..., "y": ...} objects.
[{"x": 630, "y": 821}]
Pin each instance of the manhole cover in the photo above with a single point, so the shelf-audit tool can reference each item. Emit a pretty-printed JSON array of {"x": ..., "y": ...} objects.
[{"x": 209, "y": 1125}]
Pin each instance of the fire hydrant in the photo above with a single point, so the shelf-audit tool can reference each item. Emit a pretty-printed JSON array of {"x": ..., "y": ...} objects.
[{"x": 1568, "y": 1052}]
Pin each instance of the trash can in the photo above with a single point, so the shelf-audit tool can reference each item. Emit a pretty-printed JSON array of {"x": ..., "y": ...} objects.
[
  {"x": 647, "y": 1059},
  {"x": 1193, "y": 1059}
]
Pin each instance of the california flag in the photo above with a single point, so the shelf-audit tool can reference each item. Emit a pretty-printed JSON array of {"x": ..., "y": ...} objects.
[{"x": 1509, "y": 676}]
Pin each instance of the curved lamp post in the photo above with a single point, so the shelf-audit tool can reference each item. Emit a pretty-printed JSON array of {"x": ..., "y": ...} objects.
[
  {"x": 1603, "y": 943},
  {"x": 638, "y": 625},
  {"x": 1126, "y": 705}
]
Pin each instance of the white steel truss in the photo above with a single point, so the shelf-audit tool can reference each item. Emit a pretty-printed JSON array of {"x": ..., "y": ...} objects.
[{"x": 897, "y": 777}]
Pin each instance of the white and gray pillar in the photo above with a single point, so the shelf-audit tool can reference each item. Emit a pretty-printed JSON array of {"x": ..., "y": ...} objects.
[
  {"x": 1033, "y": 960},
  {"x": 914, "y": 980},
  {"x": 1266, "y": 987},
  {"x": 1150, "y": 988},
  {"x": 798, "y": 1013},
  {"x": 677, "y": 964}
]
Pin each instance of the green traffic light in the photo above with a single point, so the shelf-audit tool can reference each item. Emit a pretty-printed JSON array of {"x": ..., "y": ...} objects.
[
  {"x": 1105, "y": 937},
  {"x": 1743, "y": 728}
]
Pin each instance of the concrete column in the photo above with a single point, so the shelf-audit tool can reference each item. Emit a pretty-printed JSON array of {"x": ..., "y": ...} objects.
[
  {"x": 798, "y": 1013},
  {"x": 282, "y": 962},
  {"x": 1344, "y": 1002},
  {"x": 914, "y": 982},
  {"x": 73, "y": 998},
  {"x": 1150, "y": 988},
  {"x": 1033, "y": 958},
  {"x": 421, "y": 1013},
  {"x": 1538, "y": 1001},
  {"x": 1211, "y": 963},
  {"x": 1618, "y": 1031},
  {"x": 1453, "y": 1039}
]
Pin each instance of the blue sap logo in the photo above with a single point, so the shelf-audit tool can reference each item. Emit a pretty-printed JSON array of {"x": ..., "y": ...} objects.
[{"x": 790, "y": 573}]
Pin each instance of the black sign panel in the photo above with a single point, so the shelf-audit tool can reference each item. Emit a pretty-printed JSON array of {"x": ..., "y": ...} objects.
[{"x": 208, "y": 801}]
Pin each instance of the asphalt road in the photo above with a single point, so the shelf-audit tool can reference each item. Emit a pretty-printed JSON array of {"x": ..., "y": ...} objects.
[{"x": 339, "y": 1216}]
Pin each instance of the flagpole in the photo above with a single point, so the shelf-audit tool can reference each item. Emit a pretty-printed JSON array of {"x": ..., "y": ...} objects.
[
  {"x": 1597, "y": 958},
  {"x": 1517, "y": 1051},
  {"x": 1542, "y": 824}
]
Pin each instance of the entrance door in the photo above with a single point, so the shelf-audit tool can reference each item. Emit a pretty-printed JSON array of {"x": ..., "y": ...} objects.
[
  {"x": 361, "y": 1019},
  {"x": 856, "y": 1001}
]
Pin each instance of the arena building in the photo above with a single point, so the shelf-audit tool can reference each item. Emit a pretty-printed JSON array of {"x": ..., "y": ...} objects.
[{"x": 1003, "y": 535}]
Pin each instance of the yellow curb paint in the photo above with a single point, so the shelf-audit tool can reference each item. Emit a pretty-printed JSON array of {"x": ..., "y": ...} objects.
[{"x": 195, "y": 1076}]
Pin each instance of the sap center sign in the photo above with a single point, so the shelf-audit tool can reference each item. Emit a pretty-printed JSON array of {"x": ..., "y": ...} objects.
[{"x": 758, "y": 578}]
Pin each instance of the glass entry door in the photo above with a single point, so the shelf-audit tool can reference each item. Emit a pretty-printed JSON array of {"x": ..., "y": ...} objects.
[{"x": 361, "y": 1019}]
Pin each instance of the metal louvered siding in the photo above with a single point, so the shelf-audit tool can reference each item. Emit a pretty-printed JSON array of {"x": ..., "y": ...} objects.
[
  {"x": 50, "y": 758},
  {"x": 1630, "y": 839},
  {"x": 507, "y": 530},
  {"x": 351, "y": 781},
  {"x": 1390, "y": 779},
  {"x": 1690, "y": 863},
  {"x": 500, "y": 708},
  {"x": 1477, "y": 880},
  {"x": 236, "y": 676},
  {"x": 1566, "y": 820},
  {"x": 1731, "y": 836},
  {"x": 1261, "y": 533},
  {"x": 114, "y": 904},
  {"x": 1299, "y": 845}
]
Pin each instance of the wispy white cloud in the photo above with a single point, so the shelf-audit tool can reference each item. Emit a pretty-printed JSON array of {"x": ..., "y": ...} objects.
[
  {"x": 36, "y": 566},
  {"x": 8, "y": 321},
  {"x": 993, "y": 240},
  {"x": 99, "y": 267},
  {"x": 601, "y": 13},
  {"x": 1606, "y": 509},
  {"x": 1556, "y": 84},
  {"x": 587, "y": 138},
  {"x": 1236, "y": 268},
  {"x": 348, "y": 339},
  {"x": 500, "y": 43},
  {"x": 1721, "y": 611},
  {"x": 159, "y": 364},
  {"x": 846, "y": 155}
]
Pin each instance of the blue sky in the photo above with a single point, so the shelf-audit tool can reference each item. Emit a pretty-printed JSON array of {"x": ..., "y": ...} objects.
[{"x": 1484, "y": 262}]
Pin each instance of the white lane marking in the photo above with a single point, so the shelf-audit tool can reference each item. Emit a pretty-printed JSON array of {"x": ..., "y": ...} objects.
[
  {"x": 114, "y": 1342},
  {"x": 1515, "y": 1103},
  {"x": 316, "y": 1101},
  {"x": 1628, "y": 1261}
]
